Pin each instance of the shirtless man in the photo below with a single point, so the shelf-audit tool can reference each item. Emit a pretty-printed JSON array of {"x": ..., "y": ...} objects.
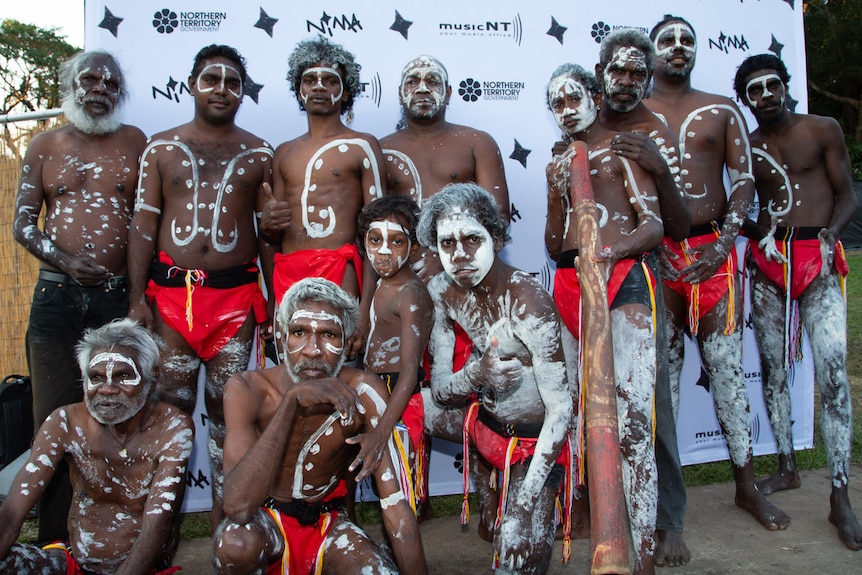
[
  {"x": 519, "y": 386},
  {"x": 84, "y": 174},
  {"x": 285, "y": 455},
  {"x": 193, "y": 236},
  {"x": 702, "y": 287},
  {"x": 127, "y": 454},
  {"x": 324, "y": 177},
  {"x": 427, "y": 152},
  {"x": 802, "y": 175},
  {"x": 630, "y": 225}
]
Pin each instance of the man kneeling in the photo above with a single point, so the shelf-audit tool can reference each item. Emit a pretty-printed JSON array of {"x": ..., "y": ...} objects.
[
  {"x": 127, "y": 455},
  {"x": 285, "y": 448}
]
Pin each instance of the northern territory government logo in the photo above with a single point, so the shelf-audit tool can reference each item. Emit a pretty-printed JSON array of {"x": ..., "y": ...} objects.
[
  {"x": 472, "y": 90},
  {"x": 508, "y": 29},
  {"x": 167, "y": 21}
]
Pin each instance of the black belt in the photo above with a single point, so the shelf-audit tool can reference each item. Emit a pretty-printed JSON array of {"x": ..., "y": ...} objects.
[
  {"x": 525, "y": 430},
  {"x": 710, "y": 227},
  {"x": 797, "y": 233},
  {"x": 112, "y": 283},
  {"x": 163, "y": 274},
  {"x": 567, "y": 258},
  {"x": 305, "y": 513}
]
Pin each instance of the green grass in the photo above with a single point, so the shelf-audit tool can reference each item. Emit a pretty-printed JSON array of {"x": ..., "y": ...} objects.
[{"x": 196, "y": 525}]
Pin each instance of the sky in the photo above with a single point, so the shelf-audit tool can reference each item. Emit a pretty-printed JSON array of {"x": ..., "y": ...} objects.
[{"x": 67, "y": 15}]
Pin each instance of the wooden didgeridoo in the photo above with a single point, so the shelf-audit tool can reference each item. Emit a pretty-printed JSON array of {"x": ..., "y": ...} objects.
[{"x": 609, "y": 522}]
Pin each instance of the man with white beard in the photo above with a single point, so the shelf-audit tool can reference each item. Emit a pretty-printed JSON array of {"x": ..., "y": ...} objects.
[{"x": 84, "y": 174}]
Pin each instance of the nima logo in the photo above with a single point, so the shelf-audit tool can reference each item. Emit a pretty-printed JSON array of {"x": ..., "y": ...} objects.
[
  {"x": 328, "y": 24},
  {"x": 725, "y": 43}
]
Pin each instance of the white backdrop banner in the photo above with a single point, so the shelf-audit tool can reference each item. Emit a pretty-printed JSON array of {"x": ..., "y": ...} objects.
[{"x": 500, "y": 56}]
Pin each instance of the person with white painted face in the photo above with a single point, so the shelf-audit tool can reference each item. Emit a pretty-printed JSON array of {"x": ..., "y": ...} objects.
[
  {"x": 193, "y": 247},
  {"x": 518, "y": 385},
  {"x": 286, "y": 458},
  {"x": 702, "y": 285},
  {"x": 127, "y": 453},
  {"x": 83, "y": 174},
  {"x": 426, "y": 152},
  {"x": 630, "y": 225},
  {"x": 804, "y": 185},
  {"x": 324, "y": 177}
]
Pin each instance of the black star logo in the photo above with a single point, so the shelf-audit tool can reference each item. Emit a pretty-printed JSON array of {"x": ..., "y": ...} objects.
[
  {"x": 401, "y": 25},
  {"x": 265, "y": 22},
  {"x": 791, "y": 103},
  {"x": 704, "y": 380},
  {"x": 110, "y": 22},
  {"x": 520, "y": 154},
  {"x": 171, "y": 83},
  {"x": 776, "y": 46},
  {"x": 556, "y": 30},
  {"x": 325, "y": 18},
  {"x": 791, "y": 2},
  {"x": 252, "y": 89}
]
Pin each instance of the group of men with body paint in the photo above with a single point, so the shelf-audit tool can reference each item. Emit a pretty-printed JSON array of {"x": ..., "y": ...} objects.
[{"x": 213, "y": 205}]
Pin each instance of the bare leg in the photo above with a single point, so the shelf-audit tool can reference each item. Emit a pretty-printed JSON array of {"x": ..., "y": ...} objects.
[
  {"x": 768, "y": 309},
  {"x": 634, "y": 368},
  {"x": 32, "y": 559},
  {"x": 247, "y": 549},
  {"x": 347, "y": 549},
  {"x": 231, "y": 359}
]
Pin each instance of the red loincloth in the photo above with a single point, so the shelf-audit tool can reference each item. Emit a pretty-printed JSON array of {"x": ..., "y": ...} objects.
[
  {"x": 207, "y": 317},
  {"x": 327, "y": 264}
]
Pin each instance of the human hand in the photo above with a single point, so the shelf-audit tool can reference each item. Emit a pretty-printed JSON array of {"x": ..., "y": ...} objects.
[
  {"x": 141, "y": 312},
  {"x": 85, "y": 271},
  {"x": 332, "y": 391},
  {"x": 557, "y": 172},
  {"x": 665, "y": 259},
  {"x": 827, "y": 251},
  {"x": 500, "y": 374},
  {"x": 708, "y": 258},
  {"x": 641, "y": 149},
  {"x": 512, "y": 543},
  {"x": 427, "y": 265},
  {"x": 770, "y": 250},
  {"x": 276, "y": 215},
  {"x": 370, "y": 453}
]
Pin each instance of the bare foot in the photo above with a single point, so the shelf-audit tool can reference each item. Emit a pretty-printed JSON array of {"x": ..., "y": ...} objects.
[
  {"x": 842, "y": 517},
  {"x": 766, "y": 513},
  {"x": 779, "y": 481},
  {"x": 671, "y": 550}
]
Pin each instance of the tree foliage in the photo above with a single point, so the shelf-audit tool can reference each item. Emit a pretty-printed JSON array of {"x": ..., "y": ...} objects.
[
  {"x": 30, "y": 59},
  {"x": 833, "y": 49}
]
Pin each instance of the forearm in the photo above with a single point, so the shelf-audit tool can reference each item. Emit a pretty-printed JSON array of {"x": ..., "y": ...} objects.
[
  {"x": 842, "y": 214},
  {"x": 645, "y": 237},
  {"x": 675, "y": 214},
  {"x": 555, "y": 224},
  {"x": 737, "y": 211},
  {"x": 457, "y": 385},
  {"x": 140, "y": 258},
  {"x": 548, "y": 446}
]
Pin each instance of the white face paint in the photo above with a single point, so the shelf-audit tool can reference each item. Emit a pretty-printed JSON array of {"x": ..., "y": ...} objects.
[
  {"x": 316, "y": 317},
  {"x": 626, "y": 78},
  {"x": 112, "y": 359},
  {"x": 388, "y": 245},
  {"x": 322, "y": 74},
  {"x": 423, "y": 87},
  {"x": 465, "y": 247},
  {"x": 761, "y": 90},
  {"x": 675, "y": 36},
  {"x": 219, "y": 72},
  {"x": 573, "y": 107}
]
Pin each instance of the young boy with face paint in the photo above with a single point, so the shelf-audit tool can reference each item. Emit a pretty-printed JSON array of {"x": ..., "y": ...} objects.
[
  {"x": 324, "y": 177},
  {"x": 401, "y": 317},
  {"x": 194, "y": 247},
  {"x": 702, "y": 287},
  {"x": 127, "y": 454},
  {"x": 83, "y": 174},
  {"x": 803, "y": 180},
  {"x": 426, "y": 152},
  {"x": 286, "y": 458},
  {"x": 630, "y": 225},
  {"x": 522, "y": 398}
]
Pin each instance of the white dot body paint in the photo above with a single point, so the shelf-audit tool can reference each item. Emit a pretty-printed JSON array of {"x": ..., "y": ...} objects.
[
  {"x": 223, "y": 68},
  {"x": 317, "y": 229},
  {"x": 585, "y": 112},
  {"x": 762, "y": 80},
  {"x": 113, "y": 358},
  {"x": 319, "y": 71},
  {"x": 461, "y": 267}
]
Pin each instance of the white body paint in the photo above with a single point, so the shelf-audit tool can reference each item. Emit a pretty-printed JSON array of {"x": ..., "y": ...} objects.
[
  {"x": 319, "y": 71},
  {"x": 223, "y": 68},
  {"x": 316, "y": 229},
  {"x": 112, "y": 359},
  {"x": 455, "y": 225}
]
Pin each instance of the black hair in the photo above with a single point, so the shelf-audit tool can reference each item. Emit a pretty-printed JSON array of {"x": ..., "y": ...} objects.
[
  {"x": 753, "y": 64},
  {"x": 216, "y": 50},
  {"x": 403, "y": 208}
]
